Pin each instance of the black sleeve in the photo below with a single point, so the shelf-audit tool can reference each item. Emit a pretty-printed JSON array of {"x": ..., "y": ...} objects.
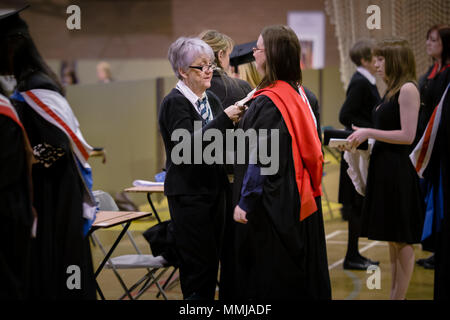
[
  {"x": 354, "y": 102},
  {"x": 315, "y": 108},
  {"x": 176, "y": 114},
  {"x": 12, "y": 153},
  {"x": 263, "y": 114},
  {"x": 245, "y": 86}
]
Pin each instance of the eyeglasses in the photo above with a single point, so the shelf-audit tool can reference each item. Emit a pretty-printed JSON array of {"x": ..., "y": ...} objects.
[
  {"x": 204, "y": 68},
  {"x": 256, "y": 49}
]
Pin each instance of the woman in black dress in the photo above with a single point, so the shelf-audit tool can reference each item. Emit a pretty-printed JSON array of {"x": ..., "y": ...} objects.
[{"x": 393, "y": 207}]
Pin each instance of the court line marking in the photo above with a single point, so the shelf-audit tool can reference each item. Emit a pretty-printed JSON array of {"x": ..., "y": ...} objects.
[
  {"x": 382, "y": 244},
  {"x": 357, "y": 285},
  {"x": 333, "y": 234},
  {"x": 334, "y": 265}
]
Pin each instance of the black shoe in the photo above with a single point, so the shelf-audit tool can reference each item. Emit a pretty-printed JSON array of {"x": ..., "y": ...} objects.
[
  {"x": 420, "y": 262},
  {"x": 370, "y": 261},
  {"x": 357, "y": 264},
  {"x": 429, "y": 263}
]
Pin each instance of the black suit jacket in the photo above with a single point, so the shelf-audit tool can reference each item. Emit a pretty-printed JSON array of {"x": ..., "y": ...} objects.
[
  {"x": 315, "y": 108},
  {"x": 227, "y": 89},
  {"x": 361, "y": 98},
  {"x": 177, "y": 112}
]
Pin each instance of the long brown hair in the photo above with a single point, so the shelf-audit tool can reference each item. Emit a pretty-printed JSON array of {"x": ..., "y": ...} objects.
[
  {"x": 399, "y": 64},
  {"x": 283, "y": 52},
  {"x": 443, "y": 31}
]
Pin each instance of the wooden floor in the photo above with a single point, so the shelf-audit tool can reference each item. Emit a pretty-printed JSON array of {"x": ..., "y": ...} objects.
[{"x": 346, "y": 284}]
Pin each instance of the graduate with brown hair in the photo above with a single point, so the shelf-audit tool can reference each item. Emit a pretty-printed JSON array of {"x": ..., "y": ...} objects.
[{"x": 280, "y": 241}]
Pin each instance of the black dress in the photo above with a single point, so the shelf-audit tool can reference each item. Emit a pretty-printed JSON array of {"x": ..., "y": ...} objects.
[
  {"x": 58, "y": 200},
  {"x": 439, "y": 168},
  {"x": 393, "y": 206},
  {"x": 277, "y": 255}
]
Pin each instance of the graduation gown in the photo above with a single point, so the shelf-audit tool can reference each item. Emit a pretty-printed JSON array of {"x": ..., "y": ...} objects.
[
  {"x": 58, "y": 199},
  {"x": 441, "y": 160},
  {"x": 277, "y": 255},
  {"x": 15, "y": 211}
]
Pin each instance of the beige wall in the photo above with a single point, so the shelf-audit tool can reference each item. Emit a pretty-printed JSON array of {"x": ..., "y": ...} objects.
[
  {"x": 121, "y": 117},
  {"x": 126, "y": 29}
]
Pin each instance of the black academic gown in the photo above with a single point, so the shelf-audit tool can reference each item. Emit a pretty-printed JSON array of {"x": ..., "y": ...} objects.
[
  {"x": 229, "y": 91},
  {"x": 15, "y": 212},
  {"x": 441, "y": 159},
  {"x": 58, "y": 198},
  {"x": 277, "y": 256}
]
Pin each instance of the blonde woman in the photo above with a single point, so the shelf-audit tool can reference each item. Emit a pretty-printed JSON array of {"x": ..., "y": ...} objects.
[
  {"x": 227, "y": 89},
  {"x": 248, "y": 72},
  {"x": 393, "y": 207}
]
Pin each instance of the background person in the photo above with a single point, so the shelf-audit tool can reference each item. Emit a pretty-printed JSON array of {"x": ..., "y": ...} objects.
[
  {"x": 432, "y": 85},
  {"x": 248, "y": 72},
  {"x": 195, "y": 192},
  {"x": 228, "y": 90},
  {"x": 361, "y": 98},
  {"x": 59, "y": 176},
  {"x": 104, "y": 74},
  {"x": 393, "y": 208}
]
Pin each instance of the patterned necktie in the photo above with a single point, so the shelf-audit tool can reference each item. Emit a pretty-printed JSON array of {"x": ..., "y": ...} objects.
[{"x": 203, "y": 109}]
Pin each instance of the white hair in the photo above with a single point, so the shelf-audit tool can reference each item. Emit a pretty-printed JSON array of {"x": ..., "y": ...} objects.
[{"x": 184, "y": 51}]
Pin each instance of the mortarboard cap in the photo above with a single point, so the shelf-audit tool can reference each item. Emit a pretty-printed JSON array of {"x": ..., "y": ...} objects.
[
  {"x": 11, "y": 23},
  {"x": 242, "y": 53}
]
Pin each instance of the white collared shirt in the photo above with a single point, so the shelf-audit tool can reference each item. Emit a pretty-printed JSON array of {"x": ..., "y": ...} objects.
[
  {"x": 193, "y": 98},
  {"x": 367, "y": 75}
]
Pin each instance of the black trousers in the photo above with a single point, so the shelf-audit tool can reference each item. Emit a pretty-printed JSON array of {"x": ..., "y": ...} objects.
[
  {"x": 227, "y": 260},
  {"x": 198, "y": 231}
]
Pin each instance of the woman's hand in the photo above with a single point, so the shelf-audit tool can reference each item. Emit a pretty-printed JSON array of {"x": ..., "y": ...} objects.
[
  {"x": 358, "y": 136},
  {"x": 240, "y": 215},
  {"x": 234, "y": 112}
]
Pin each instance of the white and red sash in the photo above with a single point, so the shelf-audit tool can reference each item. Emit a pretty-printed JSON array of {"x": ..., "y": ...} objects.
[
  {"x": 55, "y": 109},
  {"x": 421, "y": 154},
  {"x": 8, "y": 110}
]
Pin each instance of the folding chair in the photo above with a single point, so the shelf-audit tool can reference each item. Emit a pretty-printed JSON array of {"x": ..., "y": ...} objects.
[{"x": 132, "y": 261}]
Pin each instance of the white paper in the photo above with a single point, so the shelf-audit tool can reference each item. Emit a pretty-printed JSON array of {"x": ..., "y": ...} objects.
[{"x": 145, "y": 183}]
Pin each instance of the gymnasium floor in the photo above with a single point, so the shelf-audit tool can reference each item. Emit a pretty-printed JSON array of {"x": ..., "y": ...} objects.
[{"x": 346, "y": 284}]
